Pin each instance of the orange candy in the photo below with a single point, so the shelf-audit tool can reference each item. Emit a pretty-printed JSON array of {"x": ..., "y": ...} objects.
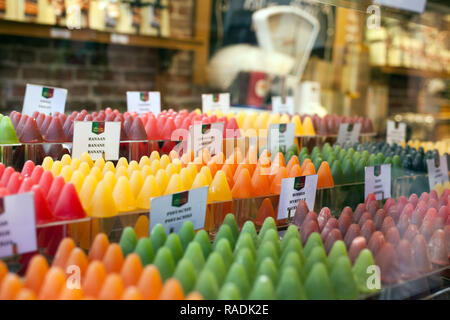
[
  {"x": 293, "y": 161},
  {"x": 260, "y": 183},
  {"x": 36, "y": 271},
  {"x": 279, "y": 160},
  {"x": 242, "y": 188},
  {"x": 305, "y": 162},
  {"x": 325, "y": 177},
  {"x": 275, "y": 187},
  {"x": 3, "y": 270},
  {"x": 228, "y": 169},
  {"x": 64, "y": 249},
  {"x": 150, "y": 283},
  {"x": 212, "y": 167},
  {"x": 295, "y": 171},
  {"x": 54, "y": 282},
  {"x": 132, "y": 293},
  {"x": 26, "y": 294},
  {"x": 79, "y": 259},
  {"x": 99, "y": 247},
  {"x": 194, "y": 296},
  {"x": 94, "y": 279},
  {"x": 309, "y": 169},
  {"x": 265, "y": 211},
  {"x": 112, "y": 289},
  {"x": 131, "y": 270},
  {"x": 113, "y": 259},
  {"x": 11, "y": 286},
  {"x": 172, "y": 290},
  {"x": 71, "y": 294}
]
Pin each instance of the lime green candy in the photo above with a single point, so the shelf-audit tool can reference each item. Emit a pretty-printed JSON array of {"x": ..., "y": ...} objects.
[
  {"x": 314, "y": 240},
  {"x": 207, "y": 285},
  {"x": 186, "y": 234},
  {"x": 216, "y": 265},
  {"x": 348, "y": 171},
  {"x": 185, "y": 273},
  {"x": 338, "y": 250},
  {"x": 238, "y": 276},
  {"x": 195, "y": 255},
  {"x": 317, "y": 255},
  {"x": 230, "y": 220},
  {"x": 224, "y": 233},
  {"x": 202, "y": 238},
  {"x": 158, "y": 237},
  {"x": 337, "y": 173},
  {"x": 267, "y": 250},
  {"x": 318, "y": 285},
  {"x": 291, "y": 232},
  {"x": 360, "y": 270},
  {"x": 262, "y": 289},
  {"x": 249, "y": 227},
  {"x": 293, "y": 260},
  {"x": 245, "y": 258},
  {"x": 269, "y": 224},
  {"x": 144, "y": 250},
  {"x": 273, "y": 237},
  {"x": 164, "y": 263},
  {"x": 267, "y": 267},
  {"x": 128, "y": 241},
  {"x": 342, "y": 279},
  {"x": 174, "y": 244},
  {"x": 290, "y": 286},
  {"x": 230, "y": 292},
  {"x": 7, "y": 133},
  {"x": 294, "y": 245},
  {"x": 224, "y": 249},
  {"x": 245, "y": 241}
]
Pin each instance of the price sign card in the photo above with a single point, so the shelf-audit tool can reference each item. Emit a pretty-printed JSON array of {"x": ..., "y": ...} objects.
[
  {"x": 46, "y": 100},
  {"x": 17, "y": 225},
  {"x": 99, "y": 139},
  {"x": 283, "y": 104},
  {"x": 174, "y": 209},
  {"x": 206, "y": 136},
  {"x": 143, "y": 102},
  {"x": 281, "y": 136},
  {"x": 395, "y": 132},
  {"x": 348, "y": 133},
  {"x": 216, "y": 101},
  {"x": 437, "y": 171},
  {"x": 378, "y": 181},
  {"x": 293, "y": 190}
]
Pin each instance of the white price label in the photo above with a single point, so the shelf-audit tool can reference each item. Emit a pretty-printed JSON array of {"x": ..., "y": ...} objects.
[
  {"x": 348, "y": 133},
  {"x": 281, "y": 136},
  {"x": 206, "y": 136},
  {"x": 174, "y": 209},
  {"x": 378, "y": 181},
  {"x": 119, "y": 38},
  {"x": 293, "y": 190},
  {"x": 17, "y": 225},
  {"x": 59, "y": 33},
  {"x": 395, "y": 132},
  {"x": 220, "y": 101},
  {"x": 437, "y": 174},
  {"x": 283, "y": 105},
  {"x": 99, "y": 139},
  {"x": 143, "y": 102},
  {"x": 47, "y": 100}
]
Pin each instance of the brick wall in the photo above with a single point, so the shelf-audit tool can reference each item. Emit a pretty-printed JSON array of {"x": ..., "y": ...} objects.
[{"x": 98, "y": 75}]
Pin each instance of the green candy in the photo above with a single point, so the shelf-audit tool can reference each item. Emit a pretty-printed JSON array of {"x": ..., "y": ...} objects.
[
  {"x": 230, "y": 220},
  {"x": 291, "y": 233},
  {"x": 318, "y": 285},
  {"x": 360, "y": 270},
  {"x": 294, "y": 245},
  {"x": 185, "y": 273},
  {"x": 373, "y": 160},
  {"x": 164, "y": 263},
  {"x": 216, "y": 265},
  {"x": 245, "y": 258},
  {"x": 360, "y": 168},
  {"x": 128, "y": 241},
  {"x": 174, "y": 244},
  {"x": 202, "y": 238},
  {"x": 238, "y": 276},
  {"x": 292, "y": 260},
  {"x": 224, "y": 233},
  {"x": 314, "y": 240},
  {"x": 290, "y": 287},
  {"x": 186, "y": 234},
  {"x": 224, "y": 249},
  {"x": 267, "y": 267},
  {"x": 158, "y": 237},
  {"x": 338, "y": 250},
  {"x": 317, "y": 255},
  {"x": 267, "y": 250},
  {"x": 342, "y": 279},
  {"x": 144, "y": 250},
  {"x": 249, "y": 227},
  {"x": 337, "y": 173},
  {"x": 230, "y": 292},
  {"x": 273, "y": 237},
  {"x": 262, "y": 289},
  {"x": 7, "y": 133},
  {"x": 195, "y": 255},
  {"x": 348, "y": 171},
  {"x": 245, "y": 241},
  {"x": 207, "y": 285},
  {"x": 269, "y": 224}
]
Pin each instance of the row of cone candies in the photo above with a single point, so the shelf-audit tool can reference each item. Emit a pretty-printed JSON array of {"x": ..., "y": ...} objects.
[
  {"x": 304, "y": 125},
  {"x": 59, "y": 127},
  {"x": 442, "y": 146},
  {"x": 406, "y": 237},
  {"x": 247, "y": 265},
  {"x": 411, "y": 158},
  {"x": 348, "y": 165},
  {"x": 7, "y": 133},
  {"x": 51, "y": 195},
  {"x": 104, "y": 275}
]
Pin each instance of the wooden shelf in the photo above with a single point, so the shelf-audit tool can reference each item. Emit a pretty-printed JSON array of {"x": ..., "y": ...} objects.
[
  {"x": 412, "y": 72},
  {"x": 34, "y": 30}
]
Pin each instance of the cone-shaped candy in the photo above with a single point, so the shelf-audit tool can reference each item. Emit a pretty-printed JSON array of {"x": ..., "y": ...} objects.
[
  {"x": 144, "y": 250},
  {"x": 175, "y": 185},
  {"x": 224, "y": 233},
  {"x": 43, "y": 212},
  {"x": 136, "y": 183},
  {"x": 207, "y": 285},
  {"x": 36, "y": 271},
  {"x": 102, "y": 204},
  {"x": 219, "y": 189},
  {"x": 186, "y": 234},
  {"x": 142, "y": 227},
  {"x": 216, "y": 265},
  {"x": 158, "y": 237},
  {"x": 195, "y": 255},
  {"x": 406, "y": 263},
  {"x": 149, "y": 190},
  {"x": 113, "y": 258},
  {"x": 150, "y": 283},
  {"x": 10, "y": 287},
  {"x": 229, "y": 292},
  {"x": 437, "y": 248},
  {"x": 87, "y": 191},
  {"x": 53, "y": 284},
  {"x": 238, "y": 276},
  {"x": 173, "y": 243},
  {"x": 72, "y": 212},
  {"x": 131, "y": 270},
  {"x": 318, "y": 285},
  {"x": 202, "y": 238},
  {"x": 342, "y": 279},
  {"x": 98, "y": 247},
  {"x": 128, "y": 241},
  {"x": 265, "y": 211},
  {"x": 185, "y": 273},
  {"x": 263, "y": 289},
  {"x": 62, "y": 254},
  {"x": 165, "y": 263},
  {"x": 242, "y": 188},
  {"x": 112, "y": 289},
  {"x": 172, "y": 290},
  {"x": 8, "y": 134}
]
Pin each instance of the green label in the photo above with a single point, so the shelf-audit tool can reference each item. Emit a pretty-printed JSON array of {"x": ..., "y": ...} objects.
[
  {"x": 144, "y": 96},
  {"x": 282, "y": 127},
  {"x": 299, "y": 183},
  {"x": 206, "y": 127},
  {"x": 98, "y": 127},
  {"x": 47, "y": 93},
  {"x": 180, "y": 199}
]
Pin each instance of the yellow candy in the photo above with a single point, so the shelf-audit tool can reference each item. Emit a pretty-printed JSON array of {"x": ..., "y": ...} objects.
[
  {"x": 47, "y": 164},
  {"x": 121, "y": 171},
  {"x": 308, "y": 127},
  {"x": 86, "y": 193},
  {"x": 186, "y": 177},
  {"x": 155, "y": 166},
  {"x": 154, "y": 156},
  {"x": 66, "y": 173},
  {"x": 109, "y": 166},
  {"x": 145, "y": 161},
  {"x": 100, "y": 163},
  {"x": 56, "y": 168},
  {"x": 85, "y": 157},
  {"x": 162, "y": 179},
  {"x": 77, "y": 180},
  {"x": 146, "y": 171},
  {"x": 122, "y": 163},
  {"x": 66, "y": 160},
  {"x": 110, "y": 179},
  {"x": 298, "y": 125},
  {"x": 133, "y": 166},
  {"x": 171, "y": 169},
  {"x": 96, "y": 173},
  {"x": 219, "y": 190},
  {"x": 84, "y": 167},
  {"x": 149, "y": 190},
  {"x": 175, "y": 185},
  {"x": 102, "y": 203},
  {"x": 75, "y": 164},
  {"x": 165, "y": 160},
  {"x": 136, "y": 182},
  {"x": 207, "y": 173},
  {"x": 123, "y": 195},
  {"x": 142, "y": 227},
  {"x": 200, "y": 181}
]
